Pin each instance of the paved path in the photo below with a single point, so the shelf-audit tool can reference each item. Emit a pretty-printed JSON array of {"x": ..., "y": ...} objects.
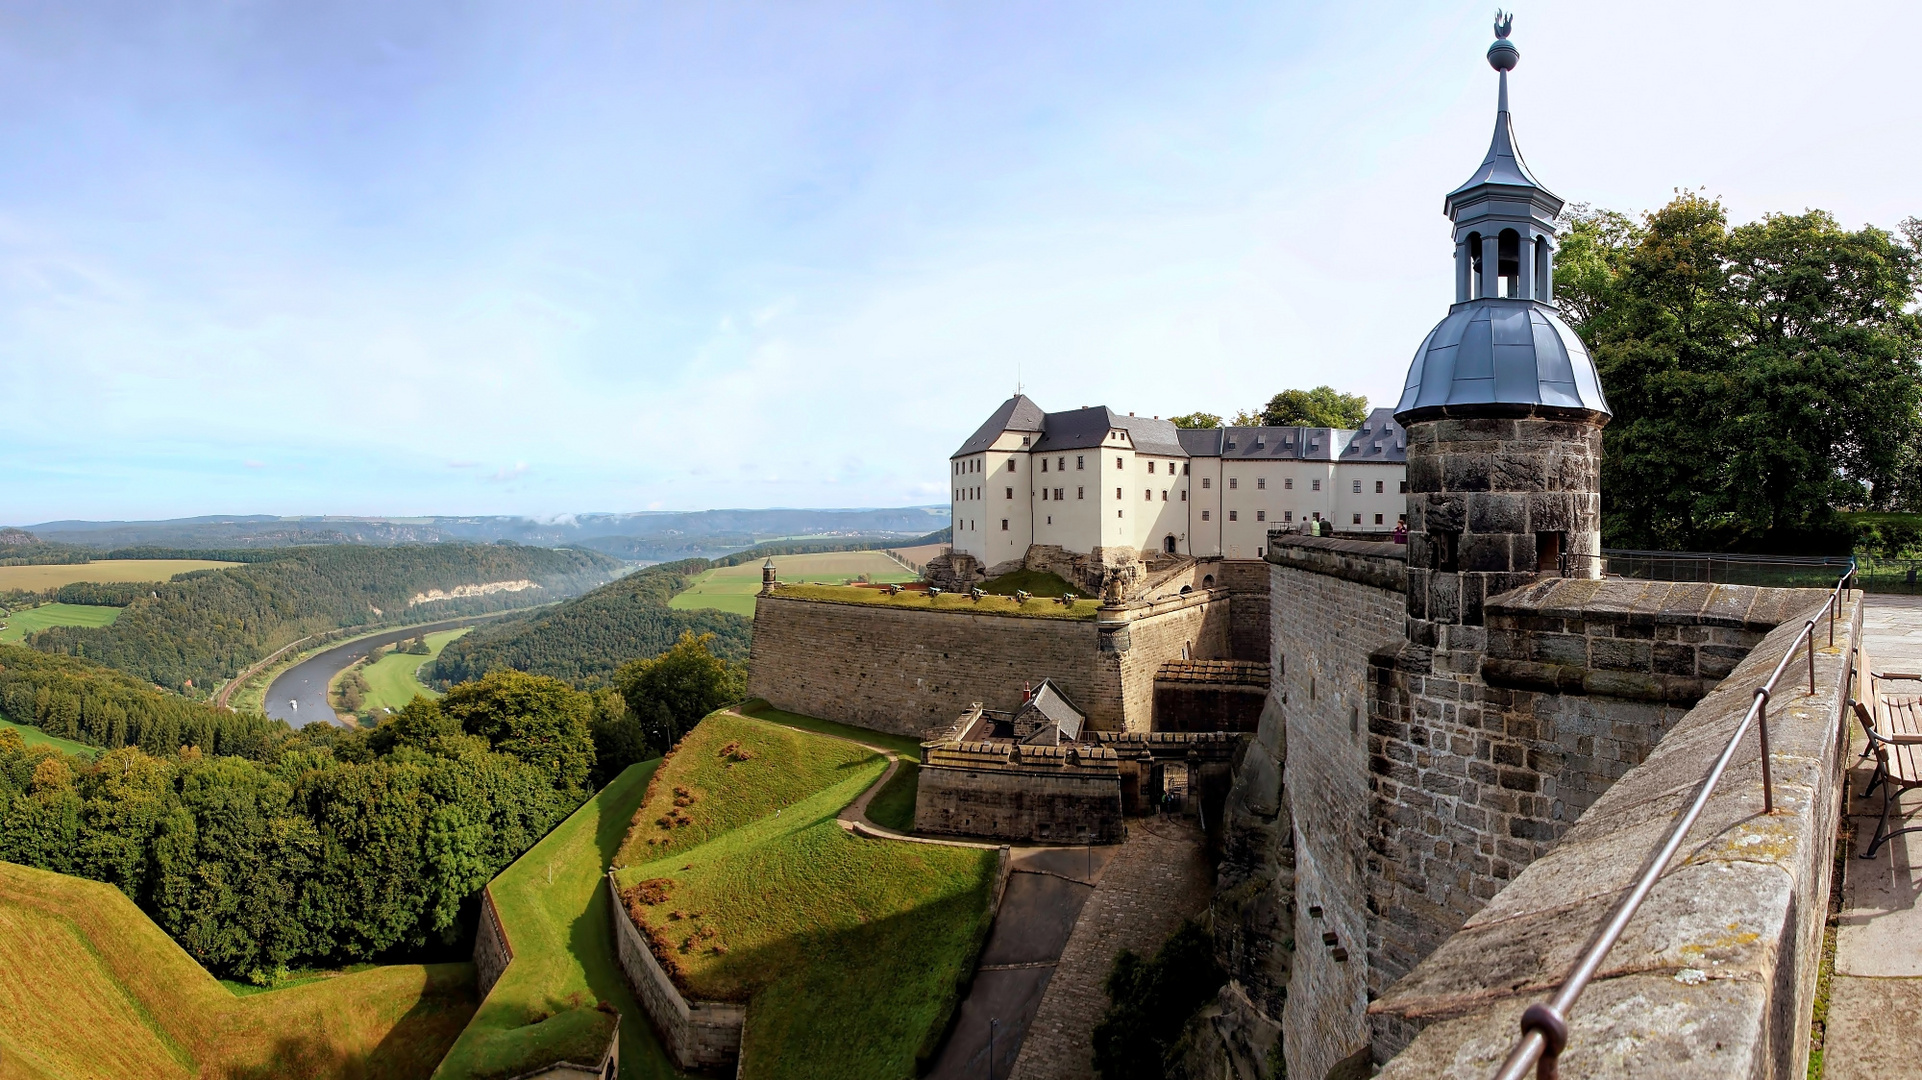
[
  {"x": 1158, "y": 878},
  {"x": 1875, "y": 999}
]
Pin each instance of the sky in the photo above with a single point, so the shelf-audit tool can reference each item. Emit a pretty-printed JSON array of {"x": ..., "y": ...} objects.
[{"x": 479, "y": 258}]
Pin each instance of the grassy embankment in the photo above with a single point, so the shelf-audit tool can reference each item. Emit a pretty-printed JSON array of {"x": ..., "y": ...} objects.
[
  {"x": 849, "y": 951},
  {"x": 893, "y": 806},
  {"x": 1037, "y": 607},
  {"x": 393, "y": 680},
  {"x": 95, "y": 989},
  {"x": 23, "y": 621},
  {"x": 107, "y": 571},
  {"x": 1037, "y": 582},
  {"x": 35, "y": 737},
  {"x": 732, "y": 588},
  {"x": 553, "y": 902}
]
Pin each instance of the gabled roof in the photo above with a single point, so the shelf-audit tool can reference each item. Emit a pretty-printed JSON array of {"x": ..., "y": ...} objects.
[
  {"x": 1380, "y": 440},
  {"x": 1064, "y": 720},
  {"x": 1084, "y": 429},
  {"x": 1018, "y": 413}
]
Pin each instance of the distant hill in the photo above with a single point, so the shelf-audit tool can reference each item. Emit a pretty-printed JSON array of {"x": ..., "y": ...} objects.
[{"x": 646, "y": 536}]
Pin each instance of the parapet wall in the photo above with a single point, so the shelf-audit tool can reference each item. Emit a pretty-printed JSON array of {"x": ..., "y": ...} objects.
[
  {"x": 1715, "y": 975},
  {"x": 492, "y": 951},
  {"x": 910, "y": 671},
  {"x": 698, "y": 1034},
  {"x": 1053, "y": 794}
]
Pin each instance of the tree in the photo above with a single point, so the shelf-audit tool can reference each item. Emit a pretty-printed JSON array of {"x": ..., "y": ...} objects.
[
  {"x": 1324, "y": 406},
  {"x": 671, "y": 692},
  {"x": 1759, "y": 375},
  {"x": 1150, "y": 1001},
  {"x": 540, "y": 720},
  {"x": 1196, "y": 420}
]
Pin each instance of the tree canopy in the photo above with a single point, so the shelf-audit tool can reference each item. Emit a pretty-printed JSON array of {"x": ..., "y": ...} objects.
[
  {"x": 1324, "y": 406},
  {"x": 1760, "y": 375}
]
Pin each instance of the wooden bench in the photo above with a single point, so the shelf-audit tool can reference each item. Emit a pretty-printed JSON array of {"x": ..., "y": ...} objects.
[{"x": 1896, "y": 741}]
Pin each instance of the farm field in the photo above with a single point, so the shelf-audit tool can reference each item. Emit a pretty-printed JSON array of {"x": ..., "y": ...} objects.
[
  {"x": 33, "y": 736},
  {"x": 732, "y": 588},
  {"x": 990, "y": 604},
  {"x": 95, "y": 989},
  {"x": 919, "y": 556},
  {"x": 563, "y": 946},
  {"x": 849, "y": 951},
  {"x": 105, "y": 570},
  {"x": 24, "y": 621},
  {"x": 391, "y": 681}
]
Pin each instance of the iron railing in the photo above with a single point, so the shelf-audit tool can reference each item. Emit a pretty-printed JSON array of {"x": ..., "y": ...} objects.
[
  {"x": 1778, "y": 571},
  {"x": 1545, "y": 1023}
]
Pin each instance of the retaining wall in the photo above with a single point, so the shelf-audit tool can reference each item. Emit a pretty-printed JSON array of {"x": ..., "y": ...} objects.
[
  {"x": 492, "y": 951},
  {"x": 698, "y": 1034},
  {"x": 1715, "y": 975}
]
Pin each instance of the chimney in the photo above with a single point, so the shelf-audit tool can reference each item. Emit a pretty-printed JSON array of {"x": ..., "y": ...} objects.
[{"x": 1027, "y": 693}]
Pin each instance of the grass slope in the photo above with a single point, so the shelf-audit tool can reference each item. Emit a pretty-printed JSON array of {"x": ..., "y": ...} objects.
[
  {"x": 106, "y": 570},
  {"x": 732, "y": 588},
  {"x": 849, "y": 951},
  {"x": 35, "y": 737},
  {"x": 893, "y": 806},
  {"x": 26, "y": 620},
  {"x": 391, "y": 680},
  {"x": 95, "y": 989},
  {"x": 563, "y": 949}
]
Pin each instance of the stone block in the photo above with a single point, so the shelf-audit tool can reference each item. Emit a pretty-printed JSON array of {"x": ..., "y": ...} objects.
[{"x": 1467, "y": 471}]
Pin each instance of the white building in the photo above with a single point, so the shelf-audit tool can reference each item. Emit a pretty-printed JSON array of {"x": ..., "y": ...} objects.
[{"x": 1094, "y": 482}]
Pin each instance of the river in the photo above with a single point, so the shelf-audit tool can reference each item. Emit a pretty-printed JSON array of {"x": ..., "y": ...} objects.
[{"x": 299, "y": 695}]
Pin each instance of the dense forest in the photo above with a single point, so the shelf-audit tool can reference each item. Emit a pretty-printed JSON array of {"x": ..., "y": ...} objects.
[
  {"x": 586, "y": 639},
  {"x": 192, "y": 632},
  {"x": 101, "y": 707}
]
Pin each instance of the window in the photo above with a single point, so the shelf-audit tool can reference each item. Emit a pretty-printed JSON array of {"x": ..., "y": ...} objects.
[
  {"x": 1164, "y": 494},
  {"x": 1357, "y": 519},
  {"x": 1151, "y": 466},
  {"x": 1004, "y": 524},
  {"x": 1204, "y": 515},
  {"x": 1147, "y": 495},
  {"x": 1404, "y": 487},
  {"x": 1044, "y": 494},
  {"x": 1184, "y": 494},
  {"x": 1287, "y": 515},
  {"x": 1010, "y": 464},
  {"x": 1261, "y": 515},
  {"x": 1057, "y": 494},
  {"x": 1234, "y": 482},
  {"x": 1184, "y": 470},
  {"x": 1261, "y": 483},
  {"x": 1080, "y": 492},
  {"x": 1117, "y": 493},
  {"x": 1288, "y": 484},
  {"x": 1316, "y": 485},
  {"x": 1044, "y": 464},
  {"x": 1207, "y": 482},
  {"x": 1117, "y": 513},
  {"x": 1078, "y": 459},
  {"x": 1117, "y": 463},
  {"x": 1061, "y": 464},
  {"x": 1548, "y": 552},
  {"x": 1010, "y": 493},
  {"x": 1378, "y": 491},
  {"x": 1357, "y": 487},
  {"x": 1378, "y": 519},
  {"x": 1233, "y": 515}
]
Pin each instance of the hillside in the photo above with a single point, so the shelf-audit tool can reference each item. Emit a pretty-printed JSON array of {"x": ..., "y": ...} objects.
[
  {"x": 193, "y": 632},
  {"x": 585, "y": 639},
  {"x": 95, "y": 989}
]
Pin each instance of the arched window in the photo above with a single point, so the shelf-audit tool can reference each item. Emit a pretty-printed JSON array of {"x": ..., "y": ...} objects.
[
  {"x": 1508, "y": 262},
  {"x": 1474, "y": 265},
  {"x": 1544, "y": 280}
]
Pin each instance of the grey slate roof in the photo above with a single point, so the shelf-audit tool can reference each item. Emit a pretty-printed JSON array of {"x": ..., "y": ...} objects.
[
  {"x": 1379, "y": 440},
  {"x": 1501, "y": 353},
  {"x": 1018, "y": 413},
  {"x": 1503, "y": 166},
  {"x": 1081, "y": 429},
  {"x": 1064, "y": 719}
]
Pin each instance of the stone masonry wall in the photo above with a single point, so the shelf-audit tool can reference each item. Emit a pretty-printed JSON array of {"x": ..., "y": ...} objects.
[
  {"x": 1716, "y": 973},
  {"x": 697, "y": 1034},
  {"x": 492, "y": 952},
  {"x": 1248, "y": 613},
  {"x": 1041, "y": 794},
  {"x": 910, "y": 671}
]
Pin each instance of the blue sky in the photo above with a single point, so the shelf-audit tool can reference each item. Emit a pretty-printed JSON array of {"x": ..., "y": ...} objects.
[{"x": 538, "y": 258}]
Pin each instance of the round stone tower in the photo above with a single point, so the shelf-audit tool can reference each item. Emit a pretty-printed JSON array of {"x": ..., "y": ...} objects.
[{"x": 1503, "y": 410}]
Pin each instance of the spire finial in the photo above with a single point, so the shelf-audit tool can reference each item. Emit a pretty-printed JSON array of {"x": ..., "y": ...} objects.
[{"x": 1503, "y": 55}]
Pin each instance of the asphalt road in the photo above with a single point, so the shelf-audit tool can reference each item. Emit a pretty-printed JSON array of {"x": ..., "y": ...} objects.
[{"x": 299, "y": 695}]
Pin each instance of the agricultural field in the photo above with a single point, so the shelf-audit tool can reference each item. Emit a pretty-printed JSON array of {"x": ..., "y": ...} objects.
[
  {"x": 919, "y": 556},
  {"x": 732, "y": 588},
  {"x": 553, "y": 902},
  {"x": 36, "y": 578},
  {"x": 33, "y": 736},
  {"x": 95, "y": 989},
  {"x": 849, "y": 952},
  {"x": 23, "y": 621},
  {"x": 392, "y": 680},
  {"x": 991, "y": 604}
]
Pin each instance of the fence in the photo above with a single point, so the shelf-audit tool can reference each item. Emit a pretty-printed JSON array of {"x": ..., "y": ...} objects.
[{"x": 1773, "y": 571}]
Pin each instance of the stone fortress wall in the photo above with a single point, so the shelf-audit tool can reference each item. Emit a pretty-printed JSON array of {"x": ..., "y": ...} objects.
[{"x": 909, "y": 671}]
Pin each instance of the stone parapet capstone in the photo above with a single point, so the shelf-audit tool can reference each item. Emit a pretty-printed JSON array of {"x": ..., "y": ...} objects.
[{"x": 1377, "y": 565}]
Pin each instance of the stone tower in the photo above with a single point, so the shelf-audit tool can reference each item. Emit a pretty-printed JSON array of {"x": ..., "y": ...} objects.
[{"x": 1503, "y": 410}]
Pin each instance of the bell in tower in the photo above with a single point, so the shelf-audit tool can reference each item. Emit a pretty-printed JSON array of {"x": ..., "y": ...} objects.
[{"x": 1502, "y": 406}]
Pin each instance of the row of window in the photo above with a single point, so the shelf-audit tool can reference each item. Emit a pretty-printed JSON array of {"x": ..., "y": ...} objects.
[{"x": 1148, "y": 494}]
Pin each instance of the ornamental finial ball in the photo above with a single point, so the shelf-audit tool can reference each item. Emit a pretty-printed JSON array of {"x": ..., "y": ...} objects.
[{"x": 1503, "y": 55}]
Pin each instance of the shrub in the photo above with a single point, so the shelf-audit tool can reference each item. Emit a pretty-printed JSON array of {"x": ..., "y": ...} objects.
[{"x": 1150, "y": 1001}]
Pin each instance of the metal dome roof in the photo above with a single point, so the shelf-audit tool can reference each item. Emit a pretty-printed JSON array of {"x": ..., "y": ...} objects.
[{"x": 1500, "y": 357}]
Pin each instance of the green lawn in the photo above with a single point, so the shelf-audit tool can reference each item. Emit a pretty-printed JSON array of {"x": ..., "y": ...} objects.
[
  {"x": 732, "y": 588},
  {"x": 553, "y": 902},
  {"x": 25, "y": 621},
  {"x": 35, "y": 737},
  {"x": 1037, "y": 582},
  {"x": 892, "y": 806},
  {"x": 391, "y": 680},
  {"x": 850, "y": 952},
  {"x": 988, "y": 605}
]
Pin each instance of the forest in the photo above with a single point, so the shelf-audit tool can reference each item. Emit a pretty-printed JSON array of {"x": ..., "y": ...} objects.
[
  {"x": 190, "y": 633},
  {"x": 585, "y": 640}
]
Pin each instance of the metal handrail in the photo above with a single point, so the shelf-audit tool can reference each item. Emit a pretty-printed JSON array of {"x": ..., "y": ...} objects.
[{"x": 1545, "y": 1023}]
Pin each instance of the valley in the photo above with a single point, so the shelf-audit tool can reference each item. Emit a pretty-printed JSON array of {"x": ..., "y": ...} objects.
[
  {"x": 732, "y": 588},
  {"x": 299, "y": 694}
]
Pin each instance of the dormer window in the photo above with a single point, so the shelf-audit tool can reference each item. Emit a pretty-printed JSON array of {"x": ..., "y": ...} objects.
[{"x": 1024, "y": 440}]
